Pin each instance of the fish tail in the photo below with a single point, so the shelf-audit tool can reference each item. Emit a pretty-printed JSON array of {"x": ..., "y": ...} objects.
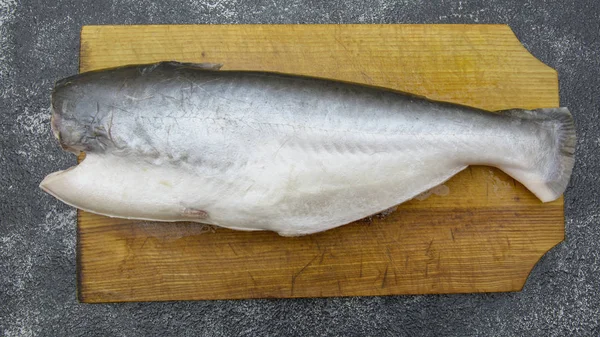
[{"x": 549, "y": 176}]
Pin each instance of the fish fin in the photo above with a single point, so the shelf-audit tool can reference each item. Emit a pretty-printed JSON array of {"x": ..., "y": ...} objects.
[
  {"x": 386, "y": 212},
  {"x": 203, "y": 66},
  {"x": 553, "y": 171}
]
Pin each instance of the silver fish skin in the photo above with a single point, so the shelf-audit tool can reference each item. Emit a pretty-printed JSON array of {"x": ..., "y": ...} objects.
[{"x": 292, "y": 154}]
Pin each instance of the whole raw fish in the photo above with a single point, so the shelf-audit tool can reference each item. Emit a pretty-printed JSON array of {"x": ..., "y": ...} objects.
[{"x": 265, "y": 151}]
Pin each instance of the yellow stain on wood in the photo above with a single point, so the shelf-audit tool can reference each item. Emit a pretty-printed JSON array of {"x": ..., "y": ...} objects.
[{"x": 484, "y": 235}]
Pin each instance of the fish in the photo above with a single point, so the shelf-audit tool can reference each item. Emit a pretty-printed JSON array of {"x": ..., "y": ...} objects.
[{"x": 292, "y": 154}]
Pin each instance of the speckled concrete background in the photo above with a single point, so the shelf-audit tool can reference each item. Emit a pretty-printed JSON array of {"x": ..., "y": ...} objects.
[{"x": 39, "y": 44}]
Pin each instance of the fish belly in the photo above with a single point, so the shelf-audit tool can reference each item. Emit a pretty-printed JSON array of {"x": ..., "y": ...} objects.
[{"x": 294, "y": 190}]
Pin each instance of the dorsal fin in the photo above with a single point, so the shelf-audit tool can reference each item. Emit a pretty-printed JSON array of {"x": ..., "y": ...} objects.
[{"x": 204, "y": 66}]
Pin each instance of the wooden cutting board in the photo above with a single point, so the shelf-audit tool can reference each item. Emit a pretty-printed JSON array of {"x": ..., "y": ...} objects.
[{"x": 484, "y": 232}]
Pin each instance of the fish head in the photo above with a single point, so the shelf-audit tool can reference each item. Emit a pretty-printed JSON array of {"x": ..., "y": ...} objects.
[{"x": 80, "y": 118}]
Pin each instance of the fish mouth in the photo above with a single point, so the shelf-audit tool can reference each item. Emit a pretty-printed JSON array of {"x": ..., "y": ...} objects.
[{"x": 54, "y": 123}]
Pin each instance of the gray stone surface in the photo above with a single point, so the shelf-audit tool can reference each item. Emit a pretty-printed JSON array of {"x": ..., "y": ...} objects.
[{"x": 39, "y": 44}]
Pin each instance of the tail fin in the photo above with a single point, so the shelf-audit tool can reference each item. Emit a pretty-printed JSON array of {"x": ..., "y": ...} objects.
[{"x": 550, "y": 178}]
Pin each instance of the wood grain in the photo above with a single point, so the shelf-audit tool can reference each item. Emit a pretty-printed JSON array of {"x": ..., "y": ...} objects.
[{"x": 484, "y": 236}]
